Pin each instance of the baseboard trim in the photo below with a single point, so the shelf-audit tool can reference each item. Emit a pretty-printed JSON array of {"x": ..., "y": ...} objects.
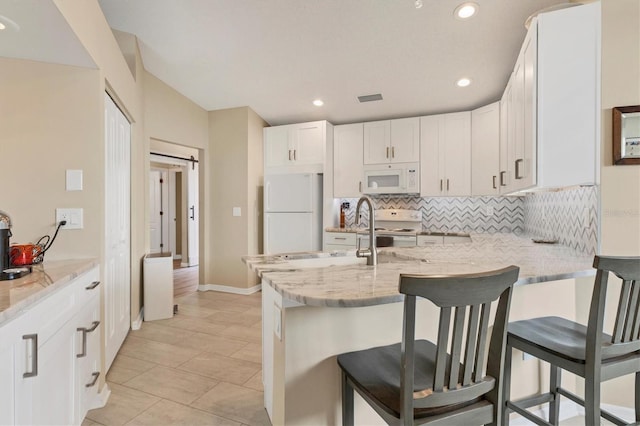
[
  {"x": 184, "y": 264},
  {"x": 101, "y": 398},
  {"x": 177, "y": 257},
  {"x": 230, "y": 289},
  {"x": 137, "y": 323}
]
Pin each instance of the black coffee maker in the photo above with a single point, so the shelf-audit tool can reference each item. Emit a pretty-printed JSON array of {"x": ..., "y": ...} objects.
[{"x": 5, "y": 234}]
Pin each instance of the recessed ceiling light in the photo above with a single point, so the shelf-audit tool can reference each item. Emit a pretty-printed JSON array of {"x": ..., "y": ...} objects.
[
  {"x": 318, "y": 102},
  {"x": 463, "y": 82},
  {"x": 418, "y": 4},
  {"x": 2, "y": 26},
  {"x": 466, "y": 10}
]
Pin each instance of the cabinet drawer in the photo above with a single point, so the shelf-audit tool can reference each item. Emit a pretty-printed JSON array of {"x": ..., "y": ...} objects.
[
  {"x": 429, "y": 240},
  {"x": 88, "y": 286},
  {"x": 340, "y": 238}
]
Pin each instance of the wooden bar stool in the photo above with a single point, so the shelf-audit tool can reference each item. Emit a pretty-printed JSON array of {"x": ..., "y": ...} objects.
[
  {"x": 419, "y": 382},
  {"x": 585, "y": 351}
]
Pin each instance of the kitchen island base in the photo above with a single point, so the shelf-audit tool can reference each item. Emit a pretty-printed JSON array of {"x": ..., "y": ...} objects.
[{"x": 300, "y": 344}]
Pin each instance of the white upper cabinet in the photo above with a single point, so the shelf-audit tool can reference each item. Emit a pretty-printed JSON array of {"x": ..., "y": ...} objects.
[
  {"x": 295, "y": 147},
  {"x": 569, "y": 96},
  {"x": 392, "y": 141},
  {"x": 485, "y": 150},
  {"x": 347, "y": 160},
  {"x": 553, "y": 103},
  {"x": 445, "y": 155}
]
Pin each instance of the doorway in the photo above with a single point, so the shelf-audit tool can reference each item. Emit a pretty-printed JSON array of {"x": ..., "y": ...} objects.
[{"x": 173, "y": 207}]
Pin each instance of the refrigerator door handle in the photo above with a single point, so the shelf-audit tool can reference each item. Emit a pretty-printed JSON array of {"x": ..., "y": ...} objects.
[{"x": 265, "y": 243}]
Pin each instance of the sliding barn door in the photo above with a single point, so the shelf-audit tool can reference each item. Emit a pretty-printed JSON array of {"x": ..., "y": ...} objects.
[{"x": 117, "y": 276}]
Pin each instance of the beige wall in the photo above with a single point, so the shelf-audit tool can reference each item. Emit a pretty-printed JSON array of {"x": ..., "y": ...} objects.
[
  {"x": 50, "y": 120},
  {"x": 235, "y": 171},
  {"x": 620, "y": 200}
]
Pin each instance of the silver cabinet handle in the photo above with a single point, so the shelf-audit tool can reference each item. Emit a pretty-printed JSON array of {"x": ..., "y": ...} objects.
[
  {"x": 92, "y": 285},
  {"x": 193, "y": 212},
  {"x": 94, "y": 381},
  {"x": 447, "y": 184},
  {"x": 34, "y": 355},
  {"x": 339, "y": 238},
  {"x": 503, "y": 181},
  {"x": 84, "y": 331},
  {"x": 494, "y": 182},
  {"x": 387, "y": 152},
  {"x": 393, "y": 152},
  {"x": 360, "y": 186},
  {"x": 518, "y": 162},
  {"x": 440, "y": 185},
  {"x": 294, "y": 155},
  {"x": 289, "y": 155}
]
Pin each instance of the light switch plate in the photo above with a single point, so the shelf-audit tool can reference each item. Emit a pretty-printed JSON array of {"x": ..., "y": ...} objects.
[
  {"x": 74, "y": 218},
  {"x": 237, "y": 211},
  {"x": 74, "y": 180}
]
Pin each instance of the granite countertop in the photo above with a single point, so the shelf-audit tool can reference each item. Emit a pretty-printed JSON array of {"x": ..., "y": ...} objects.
[
  {"x": 365, "y": 230},
  {"x": 16, "y": 296},
  {"x": 351, "y": 285}
]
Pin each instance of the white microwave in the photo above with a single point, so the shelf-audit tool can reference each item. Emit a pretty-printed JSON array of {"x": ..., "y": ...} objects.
[{"x": 399, "y": 178}]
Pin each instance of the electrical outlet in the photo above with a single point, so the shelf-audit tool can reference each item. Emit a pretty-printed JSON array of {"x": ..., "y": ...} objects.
[{"x": 74, "y": 218}]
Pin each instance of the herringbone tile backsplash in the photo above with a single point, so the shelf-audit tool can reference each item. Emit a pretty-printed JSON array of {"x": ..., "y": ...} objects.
[{"x": 569, "y": 216}]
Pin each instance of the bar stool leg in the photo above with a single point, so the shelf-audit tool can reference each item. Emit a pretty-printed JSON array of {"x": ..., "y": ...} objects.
[
  {"x": 554, "y": 384},
  {"x": 637, "y": 393},
  {"x": 591, "y": 398},
  {"x": 347, "y": 402},
  {"x": 506, "y": 387}
]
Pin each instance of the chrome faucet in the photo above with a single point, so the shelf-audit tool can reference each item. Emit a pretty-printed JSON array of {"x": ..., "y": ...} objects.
[{"x": 370, "y": 253}]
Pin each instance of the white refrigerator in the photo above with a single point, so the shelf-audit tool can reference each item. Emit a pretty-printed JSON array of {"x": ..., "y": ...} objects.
[{"x": 292, "y": 213}]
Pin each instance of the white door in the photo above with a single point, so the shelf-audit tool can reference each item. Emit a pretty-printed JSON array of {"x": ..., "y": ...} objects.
[
  {"x": 159, "y": 211},
  {"x": 192, "y": 214},
  {"x": 308, "y": 143},
  {"x": 377, "y": 141},
  {"x": 405, "y": 140},
  {"x": 117, "y": 276}
]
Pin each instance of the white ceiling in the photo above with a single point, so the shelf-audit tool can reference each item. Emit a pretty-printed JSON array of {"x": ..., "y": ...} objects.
[{"x": 276, "y": 56}]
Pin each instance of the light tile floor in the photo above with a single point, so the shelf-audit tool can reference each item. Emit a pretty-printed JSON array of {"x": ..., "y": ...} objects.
[{"x": 202, "y": 367}]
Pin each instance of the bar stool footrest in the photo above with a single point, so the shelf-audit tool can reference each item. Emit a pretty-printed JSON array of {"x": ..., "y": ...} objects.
[{"x": 517, "y": 408}]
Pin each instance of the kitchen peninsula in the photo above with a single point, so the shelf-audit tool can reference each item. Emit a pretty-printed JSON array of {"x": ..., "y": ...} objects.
[{"x": 317, "y": 305}]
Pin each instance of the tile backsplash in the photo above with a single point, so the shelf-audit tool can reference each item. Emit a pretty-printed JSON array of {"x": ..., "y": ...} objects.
[
  {"x": 569, "y": 216},
  {"x": 455, "y": 214}
]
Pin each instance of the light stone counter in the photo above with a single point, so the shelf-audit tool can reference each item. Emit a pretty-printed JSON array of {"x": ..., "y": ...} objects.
[
  {"x": 356, "y": 284},
  {"x": 16, "y": 296}
]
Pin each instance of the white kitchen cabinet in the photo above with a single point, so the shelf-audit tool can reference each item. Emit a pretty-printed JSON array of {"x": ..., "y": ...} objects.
[
  {"x": 42, "y": 379},
  {"x": 392, "y": 141},
  {"x": 568, "y": 96},
  {"x": 507, "y": 132},
  {"x": 339, "y": 241},
  {"x": 553, "y": 103},
  {"x": 485, "y": 150},
  {"x": 347, "y": 160},
  {"x": 445, "y": 155},
  {"x": 295, "y": 147}
]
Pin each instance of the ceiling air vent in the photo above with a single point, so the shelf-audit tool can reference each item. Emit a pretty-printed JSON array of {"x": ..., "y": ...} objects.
[{"x": 370, "y": 98}]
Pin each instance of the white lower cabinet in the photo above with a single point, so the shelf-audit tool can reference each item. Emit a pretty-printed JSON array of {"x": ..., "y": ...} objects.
[
  {"x": 339, "y": 241},
  {"x": 43, "y": 381}
]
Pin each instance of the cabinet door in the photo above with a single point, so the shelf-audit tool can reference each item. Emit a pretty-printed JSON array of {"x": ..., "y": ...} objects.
[
  {"x": 87, "y": 357},
  {"x": 485, "y": 150},
  {"x": 307, "y": 143},
  {"x": 48, "y": 396},
  {"x": 7, "y": 366},
  {"x": 457, "y": 154},
  {"x": 405, "y": 140},
  {"x": 277, "y": 151},
  {"x": 431, "y": 166},
  {"x": 504, "y": 177},
  {"x": 568, "y": 96},
  {"x": 347, "y": 160},
  {"x": 377, "y": 142},
  {"x": 524, "y": 110}
]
